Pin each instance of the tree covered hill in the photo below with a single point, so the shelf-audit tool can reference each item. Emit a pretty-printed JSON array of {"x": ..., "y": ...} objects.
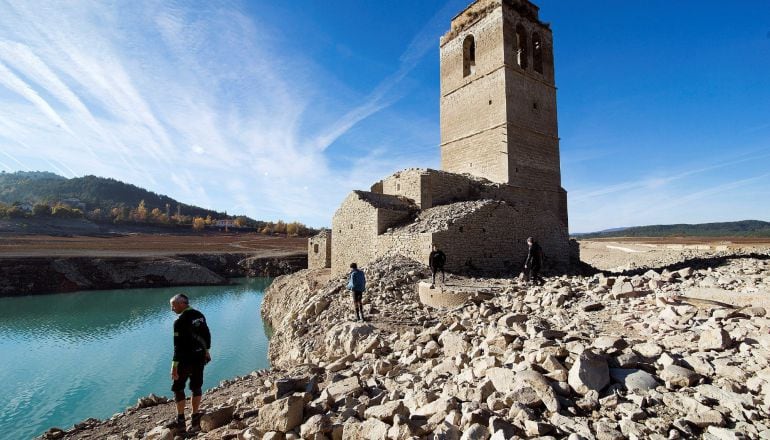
[
  {"x": 743, "y": 228},
  {"x": 95, "y": 192}
]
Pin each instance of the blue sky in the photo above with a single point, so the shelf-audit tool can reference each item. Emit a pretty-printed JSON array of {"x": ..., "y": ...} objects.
[{"x": 279, "y": 109}]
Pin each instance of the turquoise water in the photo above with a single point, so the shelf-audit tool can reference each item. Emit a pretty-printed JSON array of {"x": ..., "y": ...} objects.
[{"x": 67, "y": 357}]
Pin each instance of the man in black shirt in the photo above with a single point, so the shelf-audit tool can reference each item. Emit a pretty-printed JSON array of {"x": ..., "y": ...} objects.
[
  {"x": 534, "y": 261},
  {"x": 436, "y": 261},
  {"x": 192, "y": 341}
]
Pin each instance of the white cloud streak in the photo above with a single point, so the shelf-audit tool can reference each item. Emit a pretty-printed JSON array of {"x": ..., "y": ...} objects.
[{"x": 195, "y": 100}]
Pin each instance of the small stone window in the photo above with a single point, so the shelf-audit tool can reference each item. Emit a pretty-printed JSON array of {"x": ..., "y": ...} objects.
[
  {"x": 398, "y": 187},
  {"x": 469, "y": 55},
  {"x": 351, "y": 226},
  {"x": 537, "y": 53},
  {"x": 315, "y": 248},
  {"x": 521, "y": 47},
  {"x": 461, "y": 228}
]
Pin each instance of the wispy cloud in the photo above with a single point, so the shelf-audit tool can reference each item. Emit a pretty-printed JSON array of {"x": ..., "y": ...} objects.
[
  {"x": 701, "y": 193},
  {"x": 656, "y": 182},
  {"x": 196, "y": 100},
  {"x": 382, "y": 96}
]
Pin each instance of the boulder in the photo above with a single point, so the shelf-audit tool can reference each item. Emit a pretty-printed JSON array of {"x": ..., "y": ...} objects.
[
  {"x": 282, "y": 415},
  {"x": 502, "y": 378},
  {"x": 589, "y": 372},
  {"x": 344, "y": 387},
  {"x": 344, "y": 338},
  {"x": 542, "y": 388},
  {"x": 315, "y": 425},
  {"x": 714, "y": 339},
  {"x": 475, "y": 432},
  {"x": 444, "y": 431},
  {"x": 216, "y": 418},
  {"x": 373, "y": 428},
  {"x": 510, "y": 319},
  {"x": 160, "y": 433},
  {"x": 387, "y": 411},
  {"x": 454, "y": 343},
  {"x": 677, "y": 376},
  {"x": 634, "y": 379}
]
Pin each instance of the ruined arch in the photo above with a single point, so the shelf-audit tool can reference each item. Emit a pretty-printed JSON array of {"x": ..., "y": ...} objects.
[
  {"x": 469, "y": 55},
  {"x": 521, "y": 47},
  {"x": 537, "y": 53}
]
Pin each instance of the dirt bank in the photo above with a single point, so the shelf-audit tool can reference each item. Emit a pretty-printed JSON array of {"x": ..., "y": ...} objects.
[{"x": 42, "y": 275}]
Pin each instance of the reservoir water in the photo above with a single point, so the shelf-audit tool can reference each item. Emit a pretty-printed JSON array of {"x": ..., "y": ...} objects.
[{"x": 67, "y": 357}]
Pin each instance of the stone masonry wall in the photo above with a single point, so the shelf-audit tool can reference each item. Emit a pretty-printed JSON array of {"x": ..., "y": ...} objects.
[
  {"x": 409, "y": 184},
  {"x": 487, "y": 240},
  {"x": 361, "y": 217},
  {"x": 512, "y": 136},
  {"x": 413, "y": 245},
  {"x": 540, "y": 213},
  {"x": 319, "y": 250},
  {"x": 473, "y": 107},
  {"x": 354, "y": 228},
  {"x": 491, "y": 239}
]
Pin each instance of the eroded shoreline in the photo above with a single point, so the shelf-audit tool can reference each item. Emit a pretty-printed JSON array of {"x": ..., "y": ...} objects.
[
  {"x": 20, "y": 276},
  {"x": 581, "y": 357}
]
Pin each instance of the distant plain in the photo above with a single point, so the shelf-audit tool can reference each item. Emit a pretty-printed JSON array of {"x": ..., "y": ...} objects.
[{"x": 149, "y": 245}]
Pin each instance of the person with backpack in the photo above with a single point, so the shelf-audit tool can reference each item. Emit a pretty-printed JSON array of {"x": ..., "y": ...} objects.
[
  {"x": 534, "y": 262},
  {"x": 357, "y": 285},
  {"x": 436, "y": 262},
  {"x": 192, "y": 342}
]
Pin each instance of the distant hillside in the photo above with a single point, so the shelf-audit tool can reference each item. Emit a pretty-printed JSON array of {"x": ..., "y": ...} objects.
[
  {"x": 744, "y": 228},
  {"x": 95, "y": 192}
]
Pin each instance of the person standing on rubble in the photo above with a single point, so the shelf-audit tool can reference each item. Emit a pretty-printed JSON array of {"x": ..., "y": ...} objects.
[
  {"x": 357, "y": 285},
  {"x": 436, "y": 261},
  {"x": 534, "y": 262}
]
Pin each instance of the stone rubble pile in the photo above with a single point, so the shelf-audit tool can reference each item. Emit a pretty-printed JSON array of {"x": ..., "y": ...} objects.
[
  {"x": 442, "y": 216},
  {"x": 578, "y": 358}
]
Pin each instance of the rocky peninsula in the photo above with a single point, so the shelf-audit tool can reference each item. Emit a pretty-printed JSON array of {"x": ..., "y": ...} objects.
[{"x": 662, "y": 354}]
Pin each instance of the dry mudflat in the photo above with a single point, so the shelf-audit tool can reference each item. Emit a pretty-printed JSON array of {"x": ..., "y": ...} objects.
[
  {"x": 148, "y": 245},
  {"x": 629, "y": 253}
]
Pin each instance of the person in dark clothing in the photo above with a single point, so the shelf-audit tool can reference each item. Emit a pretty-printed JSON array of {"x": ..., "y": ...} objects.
[
  {"x": 534, "y": 261},
  {"x": 436, "y": 262},
  {"x": 357, "y": 284},
  {"x": 192, "y": 341}
]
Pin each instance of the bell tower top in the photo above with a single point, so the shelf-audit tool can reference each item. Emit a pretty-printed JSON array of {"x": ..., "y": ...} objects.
[{"x": 498, "y": 95}]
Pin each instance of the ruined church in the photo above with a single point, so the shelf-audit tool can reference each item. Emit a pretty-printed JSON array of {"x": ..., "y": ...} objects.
[{"x": 500, "y": 179}]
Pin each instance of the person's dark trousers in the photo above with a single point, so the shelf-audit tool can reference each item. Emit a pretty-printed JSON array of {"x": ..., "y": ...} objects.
[
  {"x": 358, "y": 304},
  {"x": 434, "y": 270},
  {"x": 534, "y": 275}
]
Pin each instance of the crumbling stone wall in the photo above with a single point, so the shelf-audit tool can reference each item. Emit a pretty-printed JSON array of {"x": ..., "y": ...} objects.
[
  {"x": 456, "y": 214},
  {"x": 358, "y": 221},
  {"x": 412, "y": 184},
  {"x": 487, "y": 240},
  {"x": 319, "y": 250}
]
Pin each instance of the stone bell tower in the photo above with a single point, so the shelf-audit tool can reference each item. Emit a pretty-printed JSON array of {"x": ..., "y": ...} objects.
[{"x": 498, "y": 96}]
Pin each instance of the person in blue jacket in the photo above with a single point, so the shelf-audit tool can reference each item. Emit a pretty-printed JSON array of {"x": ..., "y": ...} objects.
[{"x": 357, "y": 284}]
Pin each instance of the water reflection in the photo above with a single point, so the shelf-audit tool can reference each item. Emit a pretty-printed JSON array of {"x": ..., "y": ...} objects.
[{"x": 90, "y": 354}]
